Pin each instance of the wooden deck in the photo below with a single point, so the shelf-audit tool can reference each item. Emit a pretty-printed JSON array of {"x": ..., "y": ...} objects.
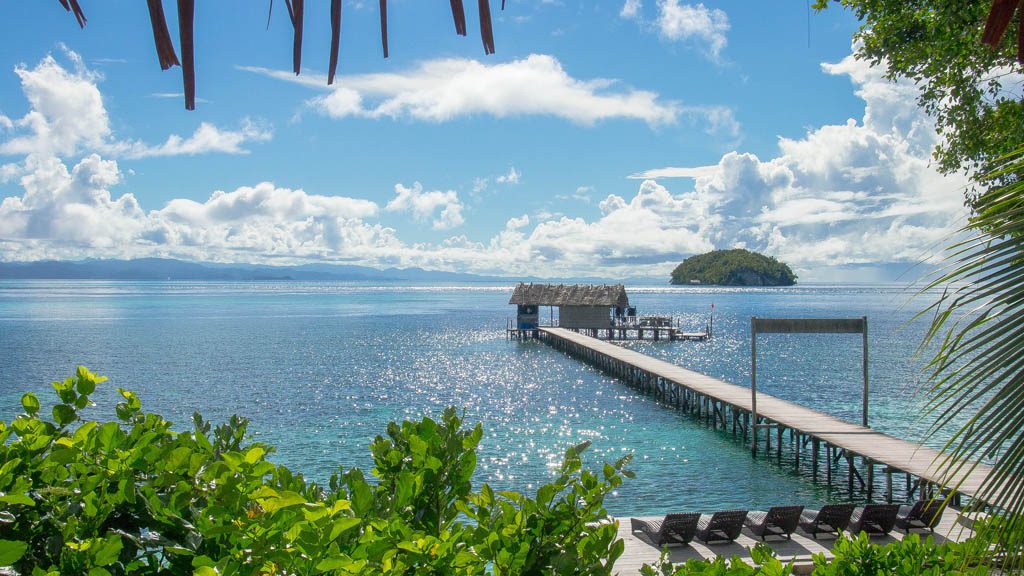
[{"x": 721, "y": 400}]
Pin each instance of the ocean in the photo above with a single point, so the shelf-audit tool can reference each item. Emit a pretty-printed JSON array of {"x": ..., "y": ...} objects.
[{"x": 320, "y": 368}]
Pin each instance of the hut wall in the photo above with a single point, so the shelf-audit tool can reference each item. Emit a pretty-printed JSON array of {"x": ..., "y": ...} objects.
[{"x": 584, "y": 317}]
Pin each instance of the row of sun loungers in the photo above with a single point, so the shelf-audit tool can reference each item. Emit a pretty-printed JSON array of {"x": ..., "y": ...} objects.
[{"x": 782, "y": 521}]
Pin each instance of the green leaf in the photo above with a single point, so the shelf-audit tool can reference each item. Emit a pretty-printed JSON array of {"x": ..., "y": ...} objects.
[
  {"x": 64, "y": 414},
  {"x": 342, "y": 525},
  {"x": 252, "y": 455},
  {"x": 23, "y": 499},
  {"x": 11, "y": 551},
  {"x": 30, "y": 403},
  {"x": 85, "y": 385},
  {"x": 205, "y": 571}
]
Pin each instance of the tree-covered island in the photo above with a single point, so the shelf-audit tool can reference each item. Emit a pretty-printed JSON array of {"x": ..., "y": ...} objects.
[{"x": 733, "y": 268}]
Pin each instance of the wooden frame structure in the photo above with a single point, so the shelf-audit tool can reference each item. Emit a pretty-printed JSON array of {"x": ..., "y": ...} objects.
[{"x": 803, "y": 326}]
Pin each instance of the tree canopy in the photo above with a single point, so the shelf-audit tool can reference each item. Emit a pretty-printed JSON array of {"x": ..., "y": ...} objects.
[
  {"x": 733, "y": 268},
  {"x": 973, "y": 90}
]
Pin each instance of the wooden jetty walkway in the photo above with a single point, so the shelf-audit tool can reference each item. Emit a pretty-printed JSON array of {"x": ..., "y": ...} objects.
[{"x": 726, "y": 405}]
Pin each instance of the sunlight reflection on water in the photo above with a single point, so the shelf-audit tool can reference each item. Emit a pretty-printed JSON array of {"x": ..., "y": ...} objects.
[{"x": 320, "y": 369}]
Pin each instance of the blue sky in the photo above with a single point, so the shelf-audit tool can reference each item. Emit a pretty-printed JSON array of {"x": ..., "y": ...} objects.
[{"x": 610, "y": 138}]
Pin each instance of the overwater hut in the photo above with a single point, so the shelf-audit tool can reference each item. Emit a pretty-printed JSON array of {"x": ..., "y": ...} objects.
[{"x": 579, "y": 305}]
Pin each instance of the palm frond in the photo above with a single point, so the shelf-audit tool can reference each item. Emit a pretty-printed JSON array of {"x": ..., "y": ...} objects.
[{"x": 976, "y": 374}]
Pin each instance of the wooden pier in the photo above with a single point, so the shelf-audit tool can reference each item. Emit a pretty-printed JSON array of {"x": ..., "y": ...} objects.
[
  {"x": 816, "y": 441},
  {"x": 614, "y": 332}
]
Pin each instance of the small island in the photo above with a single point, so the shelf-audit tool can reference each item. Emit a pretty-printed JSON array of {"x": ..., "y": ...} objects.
[{"x": 736, "y": 267}]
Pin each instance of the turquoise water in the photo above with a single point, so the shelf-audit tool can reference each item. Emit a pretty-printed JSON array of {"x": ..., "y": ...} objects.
[{"x": 320, "y": 368}]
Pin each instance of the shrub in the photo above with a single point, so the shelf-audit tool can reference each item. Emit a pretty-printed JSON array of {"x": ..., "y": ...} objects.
[
  {"x": 136, "y": 497},
  {"x": 857, "y": 556}
]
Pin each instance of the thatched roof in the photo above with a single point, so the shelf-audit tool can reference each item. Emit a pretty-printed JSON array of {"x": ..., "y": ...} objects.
[
  {"x": 296, "y": 9},
  {"x": 569, "y": 295}
]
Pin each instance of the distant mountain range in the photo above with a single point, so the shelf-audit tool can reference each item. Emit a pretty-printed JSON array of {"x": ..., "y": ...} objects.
[{"x": 170, "y": 269}]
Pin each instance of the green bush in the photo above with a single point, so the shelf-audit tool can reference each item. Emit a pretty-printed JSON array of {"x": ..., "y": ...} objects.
[
  {"x": 136, "y": 497},
  {"x": 857, "y": 556}
]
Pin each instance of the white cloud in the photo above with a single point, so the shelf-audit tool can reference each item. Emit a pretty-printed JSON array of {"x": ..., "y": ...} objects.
[
  {"x": 847, "y": 194},
  {"x": 445, "y": 89},
  {"x": 443, "y": 209},
  {"x": 71, "y": 214},
  {"x": 630, "y": 9},
  {"x": 696, "y": 24},
  {"x": 206, "y": 139},
  {"x": 67, "y": 116},
  {"x": 857, "y": 193},
  {"x": 512, "y": 177}
]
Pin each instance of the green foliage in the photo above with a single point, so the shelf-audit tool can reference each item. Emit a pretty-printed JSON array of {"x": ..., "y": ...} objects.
[
  {"x": 856, "y": 556},
  {"x": 764, "y": 564},
  {"x": 135, "y": 497},
  {"x": 734, "y": 268},
  {"x": 937, "y": 45},
  {"x": 908, "y": 557}
]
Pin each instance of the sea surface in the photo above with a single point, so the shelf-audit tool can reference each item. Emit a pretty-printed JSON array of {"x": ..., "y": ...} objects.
[{"x": 321, "y": 368}]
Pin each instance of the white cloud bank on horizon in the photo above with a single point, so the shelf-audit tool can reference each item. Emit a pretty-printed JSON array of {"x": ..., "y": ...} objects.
[
  {"x": 67, "y": 115},
  {"x": 852, "y": 194},
  {"x": 445, "y": 89}
]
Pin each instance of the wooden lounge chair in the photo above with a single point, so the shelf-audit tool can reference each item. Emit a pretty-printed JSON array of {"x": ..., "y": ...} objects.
[
  {"x": 874, "y": 519},
  {"x": 722, "y": 526},
  {"x": 923, "y": 515},
  {"x": 831, "y": 519},
  {"x": 777, "y": 521},
  {"x": 675, "y": 528}
]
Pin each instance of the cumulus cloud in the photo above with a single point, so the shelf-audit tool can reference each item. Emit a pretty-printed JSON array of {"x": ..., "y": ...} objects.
[
  {"x": 849, "y": 194},
  {"x": 445, "y": 89},
  {"x": 442, "y": 209},
  {"x": 71, "y": 213},
  {"x": 67, "y": 116},
  {"x": 693, "y": 23}
]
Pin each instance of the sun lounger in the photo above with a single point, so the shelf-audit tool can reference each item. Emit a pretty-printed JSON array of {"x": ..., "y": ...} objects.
[
  {"x": 674, "y": 528},
  {"x": 923, "y": 515},
  {"x": 831, "y": 519},
  {"x": 777, "y": 521},
  {"x": 722, "y": 526},
  {"x": 875, "y": 519}
]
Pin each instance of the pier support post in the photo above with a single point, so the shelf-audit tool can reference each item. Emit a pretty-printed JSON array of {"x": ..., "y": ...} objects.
[
  {"x": 828, "y": 464},
  {"x": 888, "y": 485},
  {"x": 870, "y": 476},
  {"x": 815, "y": 447}
]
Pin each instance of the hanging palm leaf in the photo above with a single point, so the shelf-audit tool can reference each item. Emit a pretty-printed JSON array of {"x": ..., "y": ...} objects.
[
  {"x": 296, "y": 13},
  {"x": 977, "y": 372}
]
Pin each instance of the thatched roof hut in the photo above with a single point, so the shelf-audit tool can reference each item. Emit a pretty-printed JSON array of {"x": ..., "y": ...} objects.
[{"x": 570, "y": 295}]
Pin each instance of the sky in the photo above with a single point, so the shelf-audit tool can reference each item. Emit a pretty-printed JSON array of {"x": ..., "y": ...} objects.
[{"x": 610, "y": 138}]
